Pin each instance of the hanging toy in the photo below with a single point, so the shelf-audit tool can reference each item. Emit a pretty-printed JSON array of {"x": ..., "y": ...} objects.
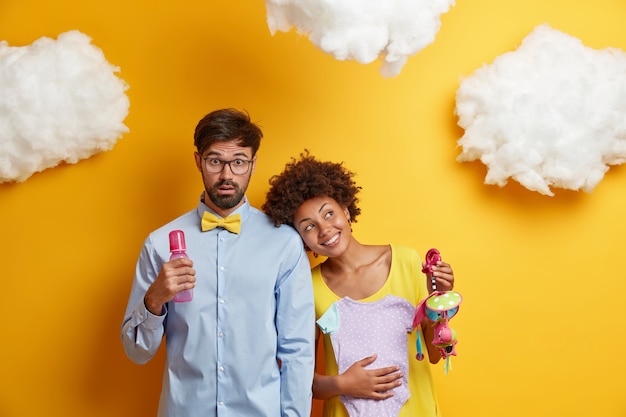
[{"x": 439, "y": 307}]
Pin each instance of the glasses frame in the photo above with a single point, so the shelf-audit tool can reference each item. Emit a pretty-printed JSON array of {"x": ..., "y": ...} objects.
[{"x": 224, "y": 163}]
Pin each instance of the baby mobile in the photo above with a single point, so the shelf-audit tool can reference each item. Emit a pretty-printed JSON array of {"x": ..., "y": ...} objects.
[{"x": 439, "y": 307}]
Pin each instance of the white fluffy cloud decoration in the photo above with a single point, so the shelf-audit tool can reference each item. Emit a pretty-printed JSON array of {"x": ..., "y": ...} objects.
[
  {"x": 550, "y": 114},
  {"x": 61, "y": 101},
  {"x": 362, "y": 30}
]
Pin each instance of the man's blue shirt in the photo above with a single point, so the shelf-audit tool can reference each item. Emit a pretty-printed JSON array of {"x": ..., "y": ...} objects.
[{"x": 244, "y": 346}]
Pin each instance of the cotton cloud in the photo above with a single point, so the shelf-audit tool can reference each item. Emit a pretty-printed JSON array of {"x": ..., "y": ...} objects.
[
  {"x": 362, "y": 30},
  {"x": 550, "y": 114},
  {"x": 61, "y": 102}
]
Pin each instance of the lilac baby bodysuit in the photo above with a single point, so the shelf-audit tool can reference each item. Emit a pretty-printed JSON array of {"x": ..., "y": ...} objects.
[{"x": 360, "y": 329}]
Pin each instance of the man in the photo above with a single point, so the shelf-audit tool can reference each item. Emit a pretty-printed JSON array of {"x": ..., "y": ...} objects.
[{"x": 244, "y": 345}]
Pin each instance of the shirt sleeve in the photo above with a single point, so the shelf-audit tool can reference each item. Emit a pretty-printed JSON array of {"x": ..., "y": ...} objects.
[
  {"x": 295, "y": 325},
  {"x": 142, "y": 331}
]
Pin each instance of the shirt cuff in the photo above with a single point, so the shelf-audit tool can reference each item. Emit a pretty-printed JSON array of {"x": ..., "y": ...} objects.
[{"x": 149, "y": 320}]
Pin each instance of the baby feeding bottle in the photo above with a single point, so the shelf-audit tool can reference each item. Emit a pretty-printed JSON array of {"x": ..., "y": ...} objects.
[{"x": 178, "y": 249}]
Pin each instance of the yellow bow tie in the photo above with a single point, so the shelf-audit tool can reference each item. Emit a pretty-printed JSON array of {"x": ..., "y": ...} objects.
[{"x": 230, "y": 223}]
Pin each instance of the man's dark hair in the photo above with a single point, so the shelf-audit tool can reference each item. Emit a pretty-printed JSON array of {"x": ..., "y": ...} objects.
[{"x": 226, "y": 125}]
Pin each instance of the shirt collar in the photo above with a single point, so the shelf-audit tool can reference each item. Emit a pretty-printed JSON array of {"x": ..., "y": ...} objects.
[{"x": 243, "y": 210}]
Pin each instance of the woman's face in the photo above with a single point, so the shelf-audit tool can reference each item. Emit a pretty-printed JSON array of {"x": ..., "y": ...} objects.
[{"x": 324, "y": 226}]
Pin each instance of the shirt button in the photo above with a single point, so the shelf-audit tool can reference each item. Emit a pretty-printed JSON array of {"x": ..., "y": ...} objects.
[
  {"x": 221, "y": 334},
  {"x": 221, "y": 268},
  {"x": 221, "y": 301},
  {"x": 221, "y": 368},
  {"x": 221, "y": 403}
]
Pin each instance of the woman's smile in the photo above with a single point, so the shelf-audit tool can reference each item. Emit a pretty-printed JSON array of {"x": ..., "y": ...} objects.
[{"x": 332, "y": 240}]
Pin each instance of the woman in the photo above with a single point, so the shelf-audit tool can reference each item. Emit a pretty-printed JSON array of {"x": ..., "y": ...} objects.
[{"x": 364, "y": 297}]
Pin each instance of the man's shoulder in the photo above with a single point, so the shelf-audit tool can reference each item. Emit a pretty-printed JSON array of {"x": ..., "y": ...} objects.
[
  {"x": 259, "y": 219},
  {"x": 183, "y": 221}
]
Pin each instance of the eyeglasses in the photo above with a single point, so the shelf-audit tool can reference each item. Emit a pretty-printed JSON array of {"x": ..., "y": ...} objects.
[{"x": 237, "y": 166}]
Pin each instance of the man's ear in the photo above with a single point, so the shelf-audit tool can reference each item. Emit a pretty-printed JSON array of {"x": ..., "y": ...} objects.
[
  {"x": 199, "y": 161},
  {"x": 253, "y": 164}
]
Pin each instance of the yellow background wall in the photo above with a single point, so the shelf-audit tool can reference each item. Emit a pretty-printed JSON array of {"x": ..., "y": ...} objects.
[{"x": 541, "y": 328}]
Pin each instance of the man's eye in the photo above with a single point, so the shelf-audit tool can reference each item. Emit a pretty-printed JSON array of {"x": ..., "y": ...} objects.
[
  {"x": 215, "y": 161},
  {"x": 238, "y": 162}
]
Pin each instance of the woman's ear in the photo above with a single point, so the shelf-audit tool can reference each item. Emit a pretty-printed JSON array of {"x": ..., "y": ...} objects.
[{"x": 347, "y": 213}]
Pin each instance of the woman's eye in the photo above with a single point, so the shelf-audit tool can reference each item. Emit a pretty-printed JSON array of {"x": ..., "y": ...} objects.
[
  {"x": 327, "y": 215},
  {"x": 308, "y": 228}
]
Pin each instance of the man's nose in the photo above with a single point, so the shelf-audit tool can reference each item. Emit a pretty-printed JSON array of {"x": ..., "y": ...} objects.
[{"x": 227, "y": 172}]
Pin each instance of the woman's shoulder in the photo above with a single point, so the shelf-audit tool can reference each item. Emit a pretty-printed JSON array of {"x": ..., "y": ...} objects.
[
  {"x": 319, "y": 286},
  {"x": 322, "y": 295},
  {"x": 406, "y": 276},
  {"x": 404, "y": 252}
]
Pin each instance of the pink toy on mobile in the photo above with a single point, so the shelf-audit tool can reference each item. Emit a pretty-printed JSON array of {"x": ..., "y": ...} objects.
[{"x": 438, "y": 307}]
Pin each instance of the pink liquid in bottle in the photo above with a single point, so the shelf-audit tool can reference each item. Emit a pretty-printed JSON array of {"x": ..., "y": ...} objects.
[{"x": 178, "y": 249}]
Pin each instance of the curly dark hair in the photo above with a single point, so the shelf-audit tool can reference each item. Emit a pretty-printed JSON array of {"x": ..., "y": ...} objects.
[{"x": 309, "y": 178}]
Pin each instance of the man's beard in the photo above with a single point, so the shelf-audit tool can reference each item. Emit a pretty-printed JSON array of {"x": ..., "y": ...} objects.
[{"x": 225, "y": 201}]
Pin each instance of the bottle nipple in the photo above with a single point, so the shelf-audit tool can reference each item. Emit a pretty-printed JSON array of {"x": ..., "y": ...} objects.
[{"x": 177, "y": 241}]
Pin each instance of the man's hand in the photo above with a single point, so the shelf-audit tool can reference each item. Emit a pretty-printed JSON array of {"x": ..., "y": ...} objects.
[{"x": 175, "y": 276}]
